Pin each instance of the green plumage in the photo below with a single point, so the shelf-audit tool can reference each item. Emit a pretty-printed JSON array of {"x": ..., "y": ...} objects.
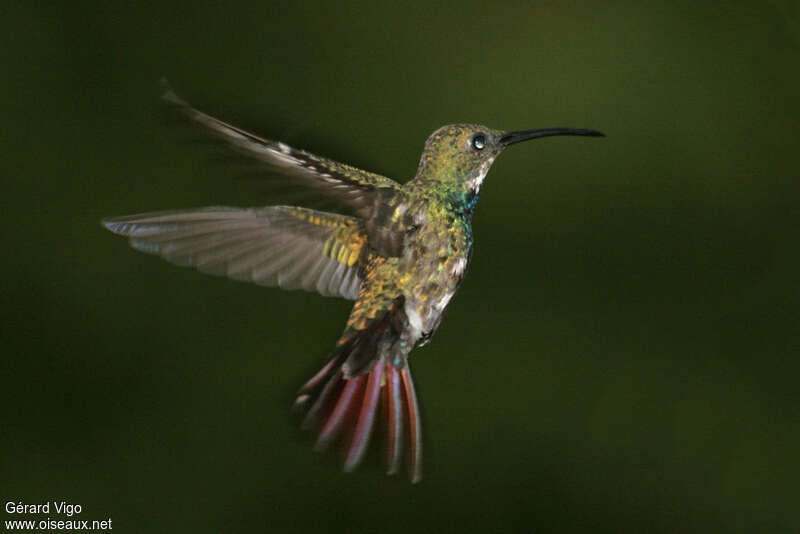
[{"x": 401, "y": 258}]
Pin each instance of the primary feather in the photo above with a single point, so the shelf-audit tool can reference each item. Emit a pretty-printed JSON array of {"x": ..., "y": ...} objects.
[
  {"x": 356, "y": 189},
  {"x": 287, "y": 247}
]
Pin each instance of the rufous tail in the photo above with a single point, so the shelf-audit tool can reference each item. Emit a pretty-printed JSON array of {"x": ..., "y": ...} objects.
[{"x": 345, "y": 410}]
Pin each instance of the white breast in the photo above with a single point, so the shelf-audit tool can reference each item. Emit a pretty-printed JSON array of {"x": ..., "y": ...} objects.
[{"x": 459, "y": 266}]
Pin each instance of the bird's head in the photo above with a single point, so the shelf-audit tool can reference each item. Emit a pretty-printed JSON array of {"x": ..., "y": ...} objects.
[{"x": 460, "y": 154}]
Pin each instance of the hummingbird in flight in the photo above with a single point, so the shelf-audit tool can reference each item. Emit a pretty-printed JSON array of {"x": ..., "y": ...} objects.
[{"x": 400, "y": 254}]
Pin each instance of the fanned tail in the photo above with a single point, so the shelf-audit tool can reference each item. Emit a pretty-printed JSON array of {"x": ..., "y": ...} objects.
[{"x": 345, "y": 411}]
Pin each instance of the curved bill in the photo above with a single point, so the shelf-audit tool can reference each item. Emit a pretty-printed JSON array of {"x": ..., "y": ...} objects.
[{"x": 509, "y": 138}]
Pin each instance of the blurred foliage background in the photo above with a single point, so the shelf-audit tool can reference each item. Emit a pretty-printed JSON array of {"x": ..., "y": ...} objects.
[{"x": 623, "y": 356}]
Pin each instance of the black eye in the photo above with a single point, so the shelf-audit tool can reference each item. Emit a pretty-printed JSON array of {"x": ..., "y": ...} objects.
[{"x": 478, "y": 142}]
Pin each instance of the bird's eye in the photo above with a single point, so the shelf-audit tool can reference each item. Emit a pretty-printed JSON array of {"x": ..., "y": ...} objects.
[{"x": 478, "y": 142}]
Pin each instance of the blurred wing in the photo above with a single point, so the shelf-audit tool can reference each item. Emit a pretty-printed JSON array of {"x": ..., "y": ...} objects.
[
  {"x": 350, "y": 186},
  {"x": 287, "y": 247}
]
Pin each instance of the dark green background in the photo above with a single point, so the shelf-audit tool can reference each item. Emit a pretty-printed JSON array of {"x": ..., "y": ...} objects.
[{"x": 623, "y": 356}]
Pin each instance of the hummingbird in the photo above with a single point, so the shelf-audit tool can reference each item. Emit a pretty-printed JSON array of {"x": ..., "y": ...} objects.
[{"x": 401, "y": 254}]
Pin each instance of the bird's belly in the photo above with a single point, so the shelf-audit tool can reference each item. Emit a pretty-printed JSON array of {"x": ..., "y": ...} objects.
[
  {"x": 433, "y": 281},
  {"x": 425, "y": 314}
]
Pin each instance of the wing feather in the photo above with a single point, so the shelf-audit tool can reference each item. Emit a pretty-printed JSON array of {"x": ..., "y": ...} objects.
[
  {"x": 349, "y": 186},
  {"x": 292, "y": 248}
]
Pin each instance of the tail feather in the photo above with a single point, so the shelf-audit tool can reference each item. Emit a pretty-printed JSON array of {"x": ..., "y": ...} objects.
[
  {"x": 394, "y": 417},
  {"x": 346, "y": 410},
  {"x": 315, "y": 380},
  {"x": 323, "y": 401},
  {"x": 333, "y": 426},
  {"x": 415, "y": 440},
  {"x": 366, "y": 419}
]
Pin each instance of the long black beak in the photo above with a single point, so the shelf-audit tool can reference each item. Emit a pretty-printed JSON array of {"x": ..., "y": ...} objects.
[{"x": 509, "y": 138}]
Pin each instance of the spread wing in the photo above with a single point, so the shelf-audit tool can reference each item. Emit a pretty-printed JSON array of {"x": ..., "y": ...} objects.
[
  {"x": 352, "y": 187},
  {"x": 287, "y": 247}
]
